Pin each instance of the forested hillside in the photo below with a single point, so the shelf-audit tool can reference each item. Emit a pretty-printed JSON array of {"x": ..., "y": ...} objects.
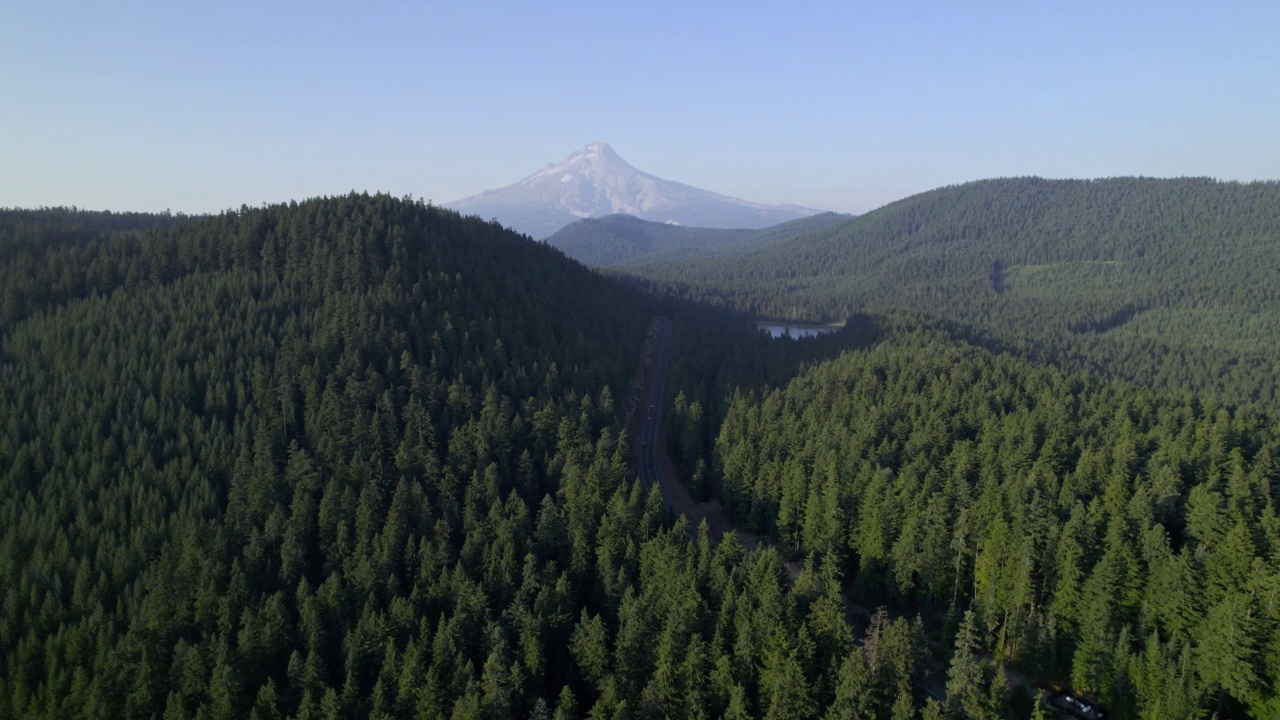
[
  {"x": 1170, "y": 283},
  {"x": 254, "y": 434},
  {"x": 361, "y": 457},
  {"x": 625, "y": 239},
  {"x": 1124, "y": 541},
  {"x": 46, "y": 254}
]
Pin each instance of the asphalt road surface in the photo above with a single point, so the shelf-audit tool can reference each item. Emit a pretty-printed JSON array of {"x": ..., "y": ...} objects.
[{"x": 649, "y": 466}]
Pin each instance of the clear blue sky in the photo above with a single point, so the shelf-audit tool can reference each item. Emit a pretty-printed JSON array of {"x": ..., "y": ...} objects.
[{"x": 844, "y": 106}]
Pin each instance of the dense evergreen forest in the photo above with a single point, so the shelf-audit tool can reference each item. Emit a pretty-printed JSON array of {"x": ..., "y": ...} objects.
[
  {"x": 33, "y": 241},
  {"x": 1169, "y": 283},
  {"x": 1125, "y": 540},
  {"x": 361, "y": 457},
  {"x": 620, "y": 240},
  {"x": 364, "y": 457}
]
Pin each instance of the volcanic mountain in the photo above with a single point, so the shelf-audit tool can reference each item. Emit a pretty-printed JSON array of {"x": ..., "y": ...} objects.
[{"x": 595, "y": 181}]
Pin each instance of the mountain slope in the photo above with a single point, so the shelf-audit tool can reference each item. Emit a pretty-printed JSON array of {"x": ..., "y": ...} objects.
[
  {"x": 1169, "y": 282},
  {"x": 625, "y": 239},
  {"x": 276, "y": 439},
  {"x": 595, "y": 181}
]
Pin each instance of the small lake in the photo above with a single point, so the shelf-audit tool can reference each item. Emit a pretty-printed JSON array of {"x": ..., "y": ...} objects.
[{"x": 778, "y": 329}]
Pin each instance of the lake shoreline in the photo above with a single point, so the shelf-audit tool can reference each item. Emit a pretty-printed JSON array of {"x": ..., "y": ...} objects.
[{"x": 788, "y": 328}]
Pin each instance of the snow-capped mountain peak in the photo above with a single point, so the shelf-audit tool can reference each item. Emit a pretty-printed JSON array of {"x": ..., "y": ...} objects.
[{"x": 595, "y": 181}]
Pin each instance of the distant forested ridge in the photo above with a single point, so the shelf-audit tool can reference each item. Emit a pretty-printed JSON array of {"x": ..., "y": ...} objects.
[
  {"x": 1170, "y": 283},
  {"x": 47, "y": 254},
  {"x": 1124, "y": 540},
  {"x": 619, "y": 240}
]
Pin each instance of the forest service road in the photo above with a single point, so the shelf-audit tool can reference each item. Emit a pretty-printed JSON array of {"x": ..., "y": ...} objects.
[
  {"x": 655, "y": 467},
  {"x": 647, "y": 458}
]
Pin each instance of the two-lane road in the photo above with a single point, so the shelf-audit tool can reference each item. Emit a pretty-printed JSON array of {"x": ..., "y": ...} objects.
[{"x": 647, "y": 454}]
